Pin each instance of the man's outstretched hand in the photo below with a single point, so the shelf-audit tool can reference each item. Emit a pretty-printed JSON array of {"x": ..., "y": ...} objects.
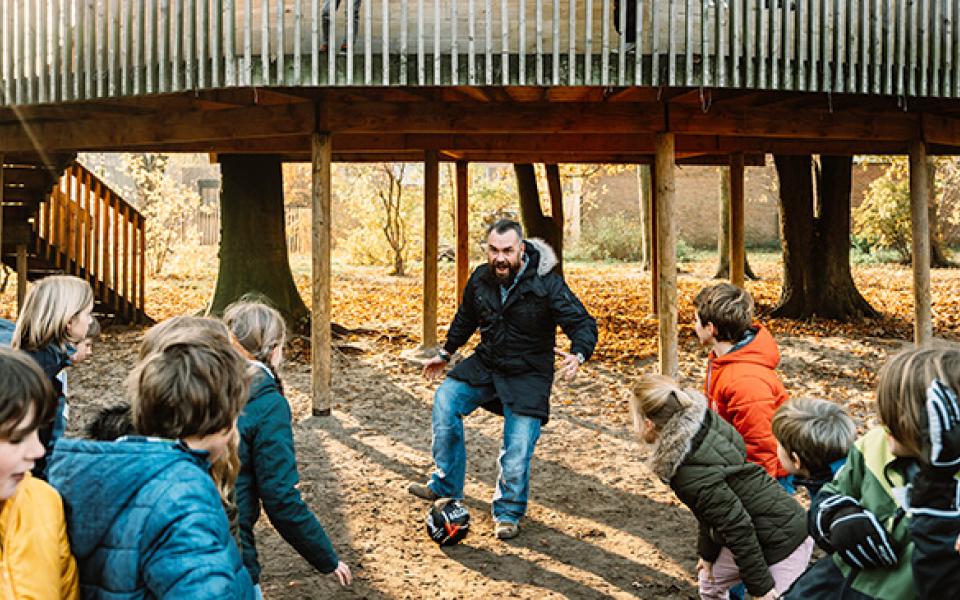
[
  {"x": 434, "y": 368},
  {"x": 568, "y": 366}
]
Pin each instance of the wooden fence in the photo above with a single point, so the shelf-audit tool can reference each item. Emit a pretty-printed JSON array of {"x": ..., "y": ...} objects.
[{"x": 59, "y": 50}]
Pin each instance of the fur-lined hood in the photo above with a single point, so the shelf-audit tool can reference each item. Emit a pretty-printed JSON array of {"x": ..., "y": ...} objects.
[
  {"x": 676, "y": 438},
  {"x": 548, "y": 258}
]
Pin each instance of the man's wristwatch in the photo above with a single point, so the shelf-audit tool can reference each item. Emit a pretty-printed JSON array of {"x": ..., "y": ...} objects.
[
  {"x": 443, "y": 354},
  {"x": 581, "y": 357}
]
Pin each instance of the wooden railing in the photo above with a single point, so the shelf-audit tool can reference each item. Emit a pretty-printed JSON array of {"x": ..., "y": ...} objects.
[
  {"x": 85, "y": 229},
  {"x": 58, "y": 50}
]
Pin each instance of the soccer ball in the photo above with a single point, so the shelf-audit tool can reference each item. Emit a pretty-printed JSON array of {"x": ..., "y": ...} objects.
[{"x": 448, "y": 522}]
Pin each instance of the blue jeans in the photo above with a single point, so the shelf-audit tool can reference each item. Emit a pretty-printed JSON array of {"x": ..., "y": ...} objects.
[{"x": 453, "y": 401}]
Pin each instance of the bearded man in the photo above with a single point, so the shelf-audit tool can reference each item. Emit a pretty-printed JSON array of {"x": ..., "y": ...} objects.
[{"x": 516, "y": 300}]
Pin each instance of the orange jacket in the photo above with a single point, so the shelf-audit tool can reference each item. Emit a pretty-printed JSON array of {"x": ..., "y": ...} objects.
[
  {"x": 35, "y": 558},
  {"x": 744, "y": 389}
]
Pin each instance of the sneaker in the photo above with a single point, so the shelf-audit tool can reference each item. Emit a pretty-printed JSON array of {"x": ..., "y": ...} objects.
[
  {"x": 422, "y": 490},
  {"x": 507, "y": 530}
]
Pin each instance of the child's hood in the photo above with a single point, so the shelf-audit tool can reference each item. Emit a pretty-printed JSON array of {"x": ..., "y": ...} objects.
[
  {"x": 676, "y": 437},
  {"x": 99, "y": 480},
  {"x": 761, "y": 350}
]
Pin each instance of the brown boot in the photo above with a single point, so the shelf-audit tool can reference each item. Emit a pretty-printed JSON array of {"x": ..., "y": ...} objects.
[{"x": 422, "y": 490}]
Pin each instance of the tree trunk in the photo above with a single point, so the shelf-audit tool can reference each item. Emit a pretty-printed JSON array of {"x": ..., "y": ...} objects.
[
  {"x": 535, "y": 223},
  {"x": 938, "y": 258},
  {"x": 723, "y": 235},
  {"x": 253, "y": 242},
  {"x": 834, "y": 294},
  {"x": 816, "y": 248}
]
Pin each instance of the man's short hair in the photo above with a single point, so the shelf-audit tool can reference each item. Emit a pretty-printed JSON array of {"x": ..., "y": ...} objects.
[
  {"x": 23, "y": 386},
  {"x": 502, "y": 226},
  {"x": 193, "y": 383},
  {"x": 728, "y": 307},
  {"x": 818, "y": 431}
]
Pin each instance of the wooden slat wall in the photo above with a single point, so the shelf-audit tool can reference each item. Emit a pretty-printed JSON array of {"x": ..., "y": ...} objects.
[{"x": 62, "y": 50}]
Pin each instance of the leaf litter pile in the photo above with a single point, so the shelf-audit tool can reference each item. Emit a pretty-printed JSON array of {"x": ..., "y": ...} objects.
[{"x": 598, "y": 524}]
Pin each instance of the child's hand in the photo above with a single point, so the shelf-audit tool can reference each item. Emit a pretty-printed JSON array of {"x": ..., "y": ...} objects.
[
  {"x": 343, "y": 574},
  {"x": 771, "y": 595},
  {"x": 854, "y": 533},
  {"x": 943, "y": 422},
  {"x": 703, "y": 565}
]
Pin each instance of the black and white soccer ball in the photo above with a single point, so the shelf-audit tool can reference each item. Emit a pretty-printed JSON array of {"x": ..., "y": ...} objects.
[{"x": 448, "y": 521}]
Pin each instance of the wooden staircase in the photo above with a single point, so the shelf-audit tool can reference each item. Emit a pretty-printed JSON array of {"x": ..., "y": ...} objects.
[{"x": 60, "y": 218}]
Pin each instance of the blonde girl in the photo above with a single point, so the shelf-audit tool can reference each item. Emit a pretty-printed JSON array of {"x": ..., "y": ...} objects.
[
  {"x": 56, "y": 315},
  {"x": 268, "y": 462}
]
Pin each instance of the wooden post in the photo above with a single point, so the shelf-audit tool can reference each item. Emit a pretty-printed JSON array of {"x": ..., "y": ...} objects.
[
  {"x": 737, "y": 249},
  {"x": 1, "y": 207},
  {"x": 919, "y": 221},
  {"x": 654, "y": 246},
  {"x": 667, "y": 254},
  {"x": 321, "y": 150},
  {"x": 463, "y": 227},
  {"x": 431, "y": 219},
  {"x": 21, "y": 276}
]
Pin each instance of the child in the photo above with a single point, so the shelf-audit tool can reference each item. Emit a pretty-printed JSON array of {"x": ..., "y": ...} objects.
[
  {"x": 268, "y": 462},
  {"x": 35, "y": 559},
  {"x": 750, "y": 529},
  {"x": 84, "y": 349},
  {"x": 56, "y": 315},
  {"x": 863, "y": 518},
  {"x": 813, "y": 438},
  {"x": 741, "y": 384},
  {"x": 145, "y": 516}
]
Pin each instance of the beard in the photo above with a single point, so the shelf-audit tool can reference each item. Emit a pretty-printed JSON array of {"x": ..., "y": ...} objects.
[{"x": 504, "y": 271}]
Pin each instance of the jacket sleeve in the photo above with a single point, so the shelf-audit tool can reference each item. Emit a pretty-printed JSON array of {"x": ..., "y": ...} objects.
[
  {"x": 707, "y": 549},
  {"x": 190, "y": 553},
  {"x": 716, "y": 505},
  {"x": 750, "y": 405},
  {"x": 936, "y": 561},
  {"x": 466, "y": 320},
  {"x": 573, "y": 318},
  {"x": 275, "y": 469}
]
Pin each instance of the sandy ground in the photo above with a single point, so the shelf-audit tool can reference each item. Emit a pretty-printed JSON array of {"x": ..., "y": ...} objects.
[{"x": 598, "y": 525}]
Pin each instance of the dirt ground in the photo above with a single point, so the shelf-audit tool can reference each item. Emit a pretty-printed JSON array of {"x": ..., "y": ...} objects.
[{"x": 598, "y": 525}]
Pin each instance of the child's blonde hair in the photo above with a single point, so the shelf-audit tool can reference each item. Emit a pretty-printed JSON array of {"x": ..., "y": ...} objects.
[
  {"x": 658, "y": 398},
  {"x": 902, "y": 392},
  {"x": 818, "y": 431},
  {"x": 155, "y": 337},
  {"x": 49, "y": 306},
  {"x": 256, "y": 327}
]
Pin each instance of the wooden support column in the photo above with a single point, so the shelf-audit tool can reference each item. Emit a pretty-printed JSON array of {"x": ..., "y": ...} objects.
[
  {"x": 463, "y": 227},
  {"x": 667, "y": 253},
  {"x": 737, "y": 249},
  {"x": 920, "y": 228},
  {"x": 431, "y": 219},
  {"x": 21, "y": 276},
  {"x": 321, "y": 151},
  {"x": 1, "y": 208},
  {"x": 654, "y": 245}
]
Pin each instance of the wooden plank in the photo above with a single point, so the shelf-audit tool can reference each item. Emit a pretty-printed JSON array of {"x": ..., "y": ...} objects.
[
  {"x": 605, "y": 42},
  {"x": 688, "y": 42},
  {"x": 281, "y": 70},
  {"x": 2, "y": 188},
  {"x": 37, "y": 65},
  {"x": 588, "y": 46},
  {"x": 638, "y": 49},
  {"x": 919, "y": 225},
  {"x": 667, "y": 258},
  {"x": 736, "y": 208},
  {"x": 504, "y": 43},
  {"x": 385, "y": 45},
  {"x": 555, "y": 66},
  {"x": 368, "y": 43},
  {"x": 722, "y": 33},
  {"x": 403, "y": 41},
  {"x": 462, "y": 227},
  {"x": 488, "y": 43},
  {"x": 948, "y": 29},
  {"x": 571, "y": 41},
  {"x": 924, "y": 41},
  {"x": 125, "y": 254},
  {"x": 431, "y": 219},
  {"x": 115, "y": 238},
  {"x": 133, "y": 253},
  {"x": 6, "y": 36},
  {"x": 877, "y": 45},
  {"x": 321, "y": 277},
  {"x": 149, "y": 11},
  {"x": 672, "y": 45},
  {"x": 736, "y": 38},
  {"x": 96, "y": 204},
  {"x": 21, "y": 276},
  {"x": 142, "y": 298},
  {"x": 750, "y": 42}
]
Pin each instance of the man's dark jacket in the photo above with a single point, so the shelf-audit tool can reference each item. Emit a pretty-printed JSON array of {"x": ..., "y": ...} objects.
[{"x": 517, "y": 337}]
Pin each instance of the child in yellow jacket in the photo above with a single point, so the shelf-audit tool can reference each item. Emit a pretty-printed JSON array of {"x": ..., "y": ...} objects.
[{"x": 35, "y": 558}]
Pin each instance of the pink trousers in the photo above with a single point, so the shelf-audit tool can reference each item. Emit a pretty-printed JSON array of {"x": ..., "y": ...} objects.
[{"x": 726, "y": 574}]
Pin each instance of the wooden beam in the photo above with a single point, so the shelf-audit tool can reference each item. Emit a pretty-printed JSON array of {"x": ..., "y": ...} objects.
[
  {"x": 667, "y": 259},
  {"x": 737, "y": 249},
  {"x": 463, "y": 227},
  {"x": 321, "y": 279},
  {"x": 654, "y": 245},
  {"x": 919, "y": 221},
  {"x": 431, "y": 220},
  {"x": 21, "y": 276}
]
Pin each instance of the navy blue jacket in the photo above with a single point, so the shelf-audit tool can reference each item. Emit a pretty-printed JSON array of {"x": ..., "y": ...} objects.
[
  {"x": 52, "y": 359},
  {"x": 145, "y": 521},
  {"x": 268, "y": 474}
]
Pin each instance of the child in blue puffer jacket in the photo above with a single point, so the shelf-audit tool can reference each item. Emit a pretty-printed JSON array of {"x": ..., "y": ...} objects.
[
  {"x": 268, "y": 461},
  {"x": 144, "y": 515}
]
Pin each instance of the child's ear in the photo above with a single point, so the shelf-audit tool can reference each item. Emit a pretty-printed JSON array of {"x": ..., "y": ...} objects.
[{"x": 795, "y": 458}]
